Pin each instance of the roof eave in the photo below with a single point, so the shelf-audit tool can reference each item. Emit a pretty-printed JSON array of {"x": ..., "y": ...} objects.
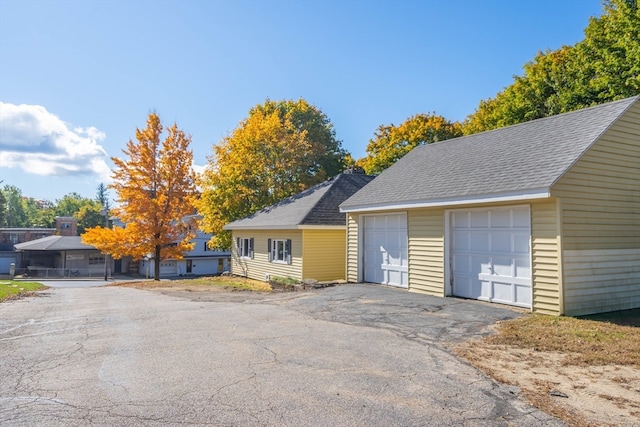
[
  {"x": 262, "y": 227},
  {"x": 538, "y": 193}
]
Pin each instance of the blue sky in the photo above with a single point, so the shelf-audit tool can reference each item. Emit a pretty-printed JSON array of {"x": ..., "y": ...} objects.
[{"x": 78, "y": 77}]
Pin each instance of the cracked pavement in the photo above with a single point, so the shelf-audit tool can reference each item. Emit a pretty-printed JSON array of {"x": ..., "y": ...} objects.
[{"x": 352, "y": 355}]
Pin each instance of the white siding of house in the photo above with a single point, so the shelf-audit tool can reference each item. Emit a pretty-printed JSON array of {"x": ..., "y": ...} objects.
[{"x": 585, "y": 273}]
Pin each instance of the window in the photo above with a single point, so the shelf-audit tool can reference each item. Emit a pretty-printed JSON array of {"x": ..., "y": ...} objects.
[
  {"x": 65, "y": 225},
  {"x": 279, "y": 250},
  {"x": 245, "y": 247},
  {"x": 96, "y": 259}
]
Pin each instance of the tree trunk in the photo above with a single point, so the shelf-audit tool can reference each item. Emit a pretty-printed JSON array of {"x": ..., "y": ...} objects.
[{"x": 156, "y": 267}]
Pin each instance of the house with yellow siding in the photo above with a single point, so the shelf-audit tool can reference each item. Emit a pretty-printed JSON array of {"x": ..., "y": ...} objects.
[
  {"x": 302, "y": 237},
  {"x": 543, "y": 215}
]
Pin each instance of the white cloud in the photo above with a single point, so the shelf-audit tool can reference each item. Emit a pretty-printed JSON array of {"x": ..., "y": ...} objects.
[
  {"x": 198, "y": 169},
  {"x": 38, "y": 142}
]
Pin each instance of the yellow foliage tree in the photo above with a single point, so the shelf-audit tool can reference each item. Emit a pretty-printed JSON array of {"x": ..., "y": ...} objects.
[
  {"x": 392, "y": 142},
  {"x": 281, "y": 149},
  {"x": 155, "y": 191}
]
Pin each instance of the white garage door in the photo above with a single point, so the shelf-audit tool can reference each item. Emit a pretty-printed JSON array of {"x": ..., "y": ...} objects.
[
  {"x": 490, "y": 255},
  {"x": 168, "y": 268},
  {"x": 385, "y": 250}
]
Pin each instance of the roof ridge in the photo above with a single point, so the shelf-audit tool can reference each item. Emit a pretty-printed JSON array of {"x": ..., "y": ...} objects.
[
  {"x": 332, "y": 182},
  {"x": 538, "y": 120}
]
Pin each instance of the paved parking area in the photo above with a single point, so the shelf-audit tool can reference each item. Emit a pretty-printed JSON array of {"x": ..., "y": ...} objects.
[{"x": 352, "y": 355}]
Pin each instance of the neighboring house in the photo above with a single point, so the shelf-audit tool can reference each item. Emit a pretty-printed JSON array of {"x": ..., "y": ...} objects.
[
  {"x": 62, "y": 256},
  {"x": 542, "y": 215},
  {"x": 301, "y": 237},
  {"x": 201, "y": 260},
  {"x": 9, "y": 237}
]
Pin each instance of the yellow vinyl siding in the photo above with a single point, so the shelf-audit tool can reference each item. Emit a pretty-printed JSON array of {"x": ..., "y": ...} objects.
[
  {"x": 260, "y": 267},
  {"x": 600, "y": 193},
  {"x": 324, "y": 254},
  {"x": 426, "y": 251},
  {"x": 352, "y": 248},
  {"x": 545, "y": 248},
  {"x": 601, "y": 222}
]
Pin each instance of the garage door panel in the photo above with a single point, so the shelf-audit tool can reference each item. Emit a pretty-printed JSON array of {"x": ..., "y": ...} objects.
[
  {"x": 521, "y": 217},
  {"x": 385, "y": 247},
  {"x": 461, "y": 241},
  {"x": 523, "y": 268},
  {"x": 480, "y": 290},
  {"x": 502, "y": 292},
  {"x": 479, "y": 241},
  {"x": 479, "y": 219},
  {"x": 460, "y": 219},
  {"x": 461, "y": 264},
  {"x": 501, "y": 241},
  {"x": 523, "y": 295},
  {"x": 501, "y": 219},
  {"x": 502, "y": 266},
  {"x": 490, "y": 255},
  {"x": 479, "y": 265},
  {"x": 521, "y": 243}
]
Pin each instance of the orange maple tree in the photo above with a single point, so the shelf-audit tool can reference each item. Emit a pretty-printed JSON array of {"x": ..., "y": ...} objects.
[{"x": 155, "y": 191}]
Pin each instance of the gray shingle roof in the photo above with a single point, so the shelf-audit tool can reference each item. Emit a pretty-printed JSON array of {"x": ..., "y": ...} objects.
[
  {"x": 522, "y": 159},
  {"x": 317, "y": 205},
  {"x": 54, "y": 243}
]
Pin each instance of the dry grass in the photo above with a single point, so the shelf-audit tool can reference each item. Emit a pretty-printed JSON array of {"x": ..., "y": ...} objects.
[
  {"x": 585, "y": 371},
  {"x": 585, "y": 341},
  {"x": 214, "y": 283}
]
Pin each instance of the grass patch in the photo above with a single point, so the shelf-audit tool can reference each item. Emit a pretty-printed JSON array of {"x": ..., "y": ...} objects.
[
  {"x": 286, "y": 284},
  {"x": 284, "y": 280},
  {"x": 233, "y": 283},
  {"x": 10, "y": 289},
  {"x": 594, "y": 340}
]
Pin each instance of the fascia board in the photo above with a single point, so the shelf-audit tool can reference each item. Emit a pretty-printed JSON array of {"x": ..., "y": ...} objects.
[{"x": 539, "y": 193}]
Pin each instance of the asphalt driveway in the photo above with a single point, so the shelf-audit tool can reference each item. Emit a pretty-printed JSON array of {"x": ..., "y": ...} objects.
[{"x": 353, "y": 355}]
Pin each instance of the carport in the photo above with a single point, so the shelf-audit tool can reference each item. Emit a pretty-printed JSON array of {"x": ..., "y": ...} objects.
[{"x": 61, "y": 256}]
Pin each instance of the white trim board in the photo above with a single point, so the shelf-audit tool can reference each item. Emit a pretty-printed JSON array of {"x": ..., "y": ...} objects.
[{"x": 542, "y": 193}]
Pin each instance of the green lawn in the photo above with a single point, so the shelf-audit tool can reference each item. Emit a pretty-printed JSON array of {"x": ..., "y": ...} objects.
[{"x": 12, "y": 288}]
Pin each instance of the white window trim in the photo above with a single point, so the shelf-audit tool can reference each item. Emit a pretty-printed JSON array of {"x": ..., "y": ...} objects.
[
  {"x": 244, "y": 247},
  {"x": 273, "y": 251}
]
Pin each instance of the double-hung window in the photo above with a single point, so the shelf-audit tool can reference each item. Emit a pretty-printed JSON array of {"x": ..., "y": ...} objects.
[
  {"x": 280, "y": 250},
  {"x": 244, "y": 247}
]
